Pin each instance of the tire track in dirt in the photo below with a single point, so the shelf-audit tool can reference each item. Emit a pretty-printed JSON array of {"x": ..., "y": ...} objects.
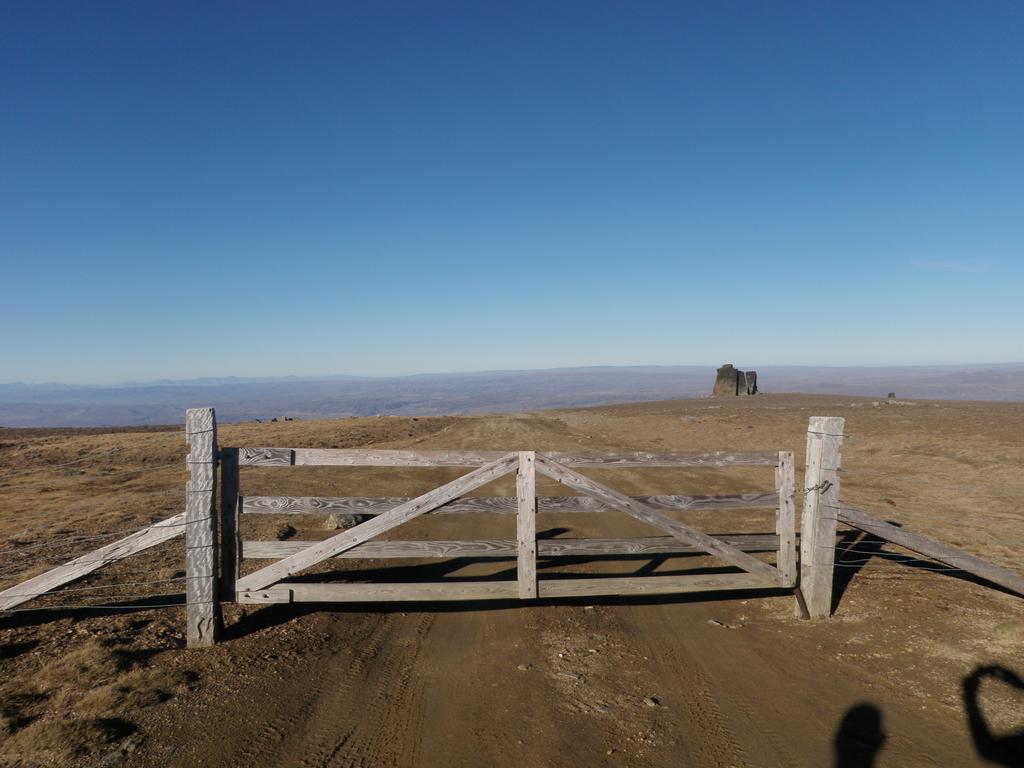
[
  {"x": 685, "y": 649},
  {"x": 604, "y": 703},
  {"x": 338, "y": 716},
  {"x": 704, "y": 732},
  {"x": 396, "y": 697}
]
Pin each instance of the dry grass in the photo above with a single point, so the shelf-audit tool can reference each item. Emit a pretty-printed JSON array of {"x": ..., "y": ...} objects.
[{"x": 80, "y": 703}]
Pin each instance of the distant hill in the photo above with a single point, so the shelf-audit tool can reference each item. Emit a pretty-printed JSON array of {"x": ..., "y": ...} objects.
[{"x": 240, "y": 399}]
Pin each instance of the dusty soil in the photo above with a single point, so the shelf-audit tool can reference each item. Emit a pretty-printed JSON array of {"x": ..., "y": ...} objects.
[{"x": 710, "y": 680}]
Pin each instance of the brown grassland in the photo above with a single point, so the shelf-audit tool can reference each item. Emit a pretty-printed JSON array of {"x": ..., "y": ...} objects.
[{"x": 705, "y": 680}]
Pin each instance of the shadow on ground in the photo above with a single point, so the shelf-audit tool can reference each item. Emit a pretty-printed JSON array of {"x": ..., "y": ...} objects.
[
  {"x": 1007, "y": 749},
  {"x": 859, "y": 737}
]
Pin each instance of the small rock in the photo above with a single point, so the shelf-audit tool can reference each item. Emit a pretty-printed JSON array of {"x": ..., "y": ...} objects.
[
  {"x": 726, "y": 626},
  {"x": 652, "y": 701},
  {"x": 524, "y": 667},
  {"x": 338, "y": 520}
]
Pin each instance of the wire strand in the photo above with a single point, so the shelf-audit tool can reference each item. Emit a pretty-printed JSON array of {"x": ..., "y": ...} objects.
[
  {"x": 116, "y": 585},
  {"x": 107, "y": 606},
  {"x": 79, "y": 460},
  {"x": 113, "y": 474},
  {"x": 100, "y": 536}
]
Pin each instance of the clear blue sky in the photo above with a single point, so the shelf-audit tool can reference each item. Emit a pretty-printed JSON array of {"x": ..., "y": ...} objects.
[{"x": 193, "y": 189}]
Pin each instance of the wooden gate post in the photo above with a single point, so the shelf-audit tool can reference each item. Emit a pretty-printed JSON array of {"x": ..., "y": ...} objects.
[
  {"x": 230, "y": 538},
  {"x": 201, "y": 605},
  {"x": 785, "y": 517},
  {"x": 820, "y": 510},
  {"x": 526, "y": 524}
]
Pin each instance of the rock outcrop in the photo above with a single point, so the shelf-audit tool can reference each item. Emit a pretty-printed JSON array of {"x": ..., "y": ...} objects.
[{"x": 732, "y": 381}]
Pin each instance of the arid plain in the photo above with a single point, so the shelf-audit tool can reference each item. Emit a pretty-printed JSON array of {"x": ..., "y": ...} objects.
[{"x": 701, "y": 680}]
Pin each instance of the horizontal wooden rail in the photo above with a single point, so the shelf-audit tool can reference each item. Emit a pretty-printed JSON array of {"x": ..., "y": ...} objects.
[
  {"x": 747, "y": 542},
  {"x": 488, "y": 590},
  {"x": 643, "y": 459},
  {"x": 650, "y": 585},
  {"x": 933, "y": 549},
  {"x": 372, "y": 593},
  {"x": 369, "y": 505},
  {"x": 362, "y": 457}
]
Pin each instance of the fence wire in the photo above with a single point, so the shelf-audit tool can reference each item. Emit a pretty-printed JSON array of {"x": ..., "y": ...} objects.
[
  {"x": 54, "y": 550},
  {"x": 137, "y": 470},
  {"x": 115, "y": 585},
  {"x": 108, "y": 606},
  {"x": 874, "y": 551},
  {"x": 72, "y": 463},
  {"x": 65, "y": 558}
]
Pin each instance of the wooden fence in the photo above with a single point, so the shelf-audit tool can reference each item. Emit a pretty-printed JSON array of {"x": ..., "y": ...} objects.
[
  {"x": 823, "y": 510},
  {"x": 270, "y": 584},
  {"x": 214, "y": 548}
]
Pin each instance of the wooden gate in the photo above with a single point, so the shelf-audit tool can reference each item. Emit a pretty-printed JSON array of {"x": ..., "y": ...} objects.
[
  {"x": 823, "y": 509},
  {"x": 270, "y": 584}
]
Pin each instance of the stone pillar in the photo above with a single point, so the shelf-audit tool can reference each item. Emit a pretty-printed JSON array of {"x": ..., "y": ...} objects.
[{"x": 726, "y": 382}]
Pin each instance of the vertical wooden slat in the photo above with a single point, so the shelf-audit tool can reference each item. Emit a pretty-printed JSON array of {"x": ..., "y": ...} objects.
[
  {"x": 785, "y": 518},
  {"x": 202, "y": 608},
  {"x": 230, "y": 541},
  {"x": 821, "y": 503},
  {"x": 526, "y": 524}
]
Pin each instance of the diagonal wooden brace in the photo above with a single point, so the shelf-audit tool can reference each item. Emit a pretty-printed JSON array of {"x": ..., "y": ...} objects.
[
  {"x": 355, "y": 536},
  {"x": 89, "y": 562},
  {"x": 641, "y": 511}
]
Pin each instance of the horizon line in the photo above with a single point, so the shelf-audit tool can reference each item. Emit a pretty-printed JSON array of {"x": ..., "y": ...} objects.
[{"x": 227, "y": 378}]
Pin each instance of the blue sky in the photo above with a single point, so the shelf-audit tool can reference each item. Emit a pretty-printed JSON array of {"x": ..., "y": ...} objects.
[{"x": 256, "y": 188}]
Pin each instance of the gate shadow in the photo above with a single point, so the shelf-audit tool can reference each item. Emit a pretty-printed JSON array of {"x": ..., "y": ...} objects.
[
  {"x": 27, "y": 617},
  {"x": 442, "y": 567},
  {"x": 442, "y": 572},
  {"x": 274, "y": 614},
  {"x": 856, "y": 549}
]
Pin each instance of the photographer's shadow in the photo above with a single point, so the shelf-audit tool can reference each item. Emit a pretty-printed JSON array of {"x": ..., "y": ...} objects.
[
  {"x": 1006, "y": 750},
  {"x": 860, "y": 737}
]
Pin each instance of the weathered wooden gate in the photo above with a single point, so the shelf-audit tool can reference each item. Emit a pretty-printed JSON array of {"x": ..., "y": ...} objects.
[
  {"x": 214, "y": 549},
  {"x": 270, "y": 584}
]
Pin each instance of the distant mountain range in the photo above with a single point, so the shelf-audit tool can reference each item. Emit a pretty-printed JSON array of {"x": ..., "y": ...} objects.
[{"x": 241, "y": 399}]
